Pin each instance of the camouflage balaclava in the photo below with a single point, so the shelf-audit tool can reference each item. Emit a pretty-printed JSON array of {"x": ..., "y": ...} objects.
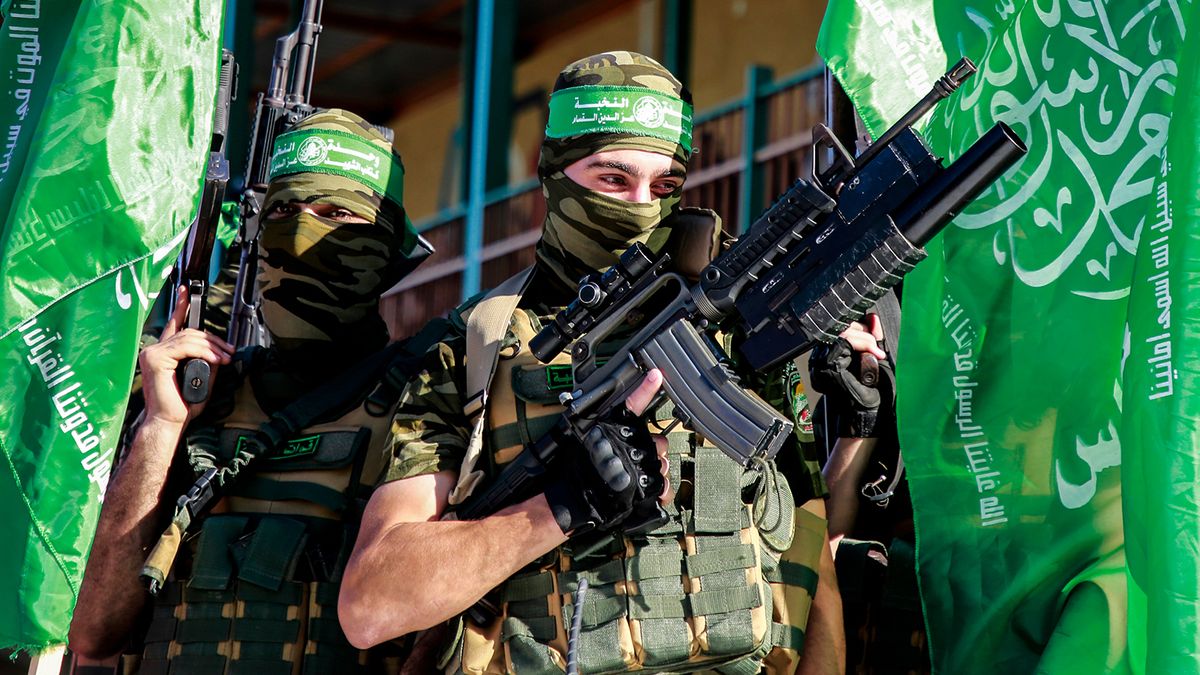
[
  {"x": 610, "y": 101},
  {"x": 321, "y": 278}
]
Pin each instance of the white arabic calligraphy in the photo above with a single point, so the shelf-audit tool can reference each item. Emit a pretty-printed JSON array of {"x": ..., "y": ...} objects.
[{"x": 1089, "y": 102}]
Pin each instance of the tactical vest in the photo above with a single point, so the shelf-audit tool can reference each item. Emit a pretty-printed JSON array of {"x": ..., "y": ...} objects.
[
  {"x": 260, "y": 595},
  {"x": 725, "y": 584}
]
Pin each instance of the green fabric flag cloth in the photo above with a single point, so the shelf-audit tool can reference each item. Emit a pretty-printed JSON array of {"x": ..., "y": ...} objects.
[
  {"x": 1046, "y": 382},
  {"x": 107, "y": 116}
]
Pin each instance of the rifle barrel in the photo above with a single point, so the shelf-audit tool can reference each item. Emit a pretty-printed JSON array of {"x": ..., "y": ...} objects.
[{"x": 944, "y": 86}]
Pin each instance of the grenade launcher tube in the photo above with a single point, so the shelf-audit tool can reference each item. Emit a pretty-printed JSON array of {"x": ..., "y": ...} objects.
[{"x": 931, "y": 209}]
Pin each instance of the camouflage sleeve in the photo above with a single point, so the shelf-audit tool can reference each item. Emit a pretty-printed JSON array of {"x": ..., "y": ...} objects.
[
  {"x": 429, "y": 429},
  {"x": 783, "y": 388}
]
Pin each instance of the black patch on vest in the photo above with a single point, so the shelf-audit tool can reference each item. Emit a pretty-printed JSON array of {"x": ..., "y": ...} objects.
[
  {"x": 297, "y": 447},
  {"x": 559, "y": 378}
]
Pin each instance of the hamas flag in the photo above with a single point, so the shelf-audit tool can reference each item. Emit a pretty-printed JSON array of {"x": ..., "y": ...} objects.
[
  {"x": 106, "y": 116},
  {"x": 1047, "y": 389}
]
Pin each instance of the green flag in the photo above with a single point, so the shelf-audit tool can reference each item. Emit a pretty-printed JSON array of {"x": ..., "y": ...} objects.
[
  {"x": 1044, "y": 395},
  {"x": 107, "y": 116}
]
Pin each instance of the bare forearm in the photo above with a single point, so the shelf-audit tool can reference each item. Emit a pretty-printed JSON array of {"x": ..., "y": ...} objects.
[
  {"x": 825, "y": 637},
  {"x": 110, "y": 597},
  {"x": 421, "y": 573},
  {"x": 843, "y": 473}
]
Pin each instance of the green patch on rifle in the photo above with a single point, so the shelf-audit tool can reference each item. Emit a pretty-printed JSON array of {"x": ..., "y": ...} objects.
[{"x": 297, "y": 447}]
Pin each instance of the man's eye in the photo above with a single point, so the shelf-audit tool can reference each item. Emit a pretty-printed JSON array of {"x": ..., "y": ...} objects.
[
  {"x": 281, "y": 211},
  {"x": 664, "y": 189},
  {"x": 613, "y": 180},
  {"x": 346, "y": 216}
]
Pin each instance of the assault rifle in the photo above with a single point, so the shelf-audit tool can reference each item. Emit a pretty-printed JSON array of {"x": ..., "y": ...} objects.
[
  {"x": 282, "y": 106},
  {"x": 814, "y": 261},
  {"x": 195, "y": 375}
]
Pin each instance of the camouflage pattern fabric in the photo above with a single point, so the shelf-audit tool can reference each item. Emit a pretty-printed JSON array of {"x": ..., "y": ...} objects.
[
  {"x": 321, "y": 279},
  {"x": 585, "y": 231},
  {"x": 430, "y": 434},
  {"x": 430, "y": 430}
]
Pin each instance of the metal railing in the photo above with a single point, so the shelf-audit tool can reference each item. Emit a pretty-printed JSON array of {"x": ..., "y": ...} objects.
[{"x": 769, "y": 130}]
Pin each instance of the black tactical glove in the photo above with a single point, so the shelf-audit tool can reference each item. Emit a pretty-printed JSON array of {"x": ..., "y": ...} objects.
[
  {"x": 863, "y": 398},
  {"x": 606, "y": 477}
]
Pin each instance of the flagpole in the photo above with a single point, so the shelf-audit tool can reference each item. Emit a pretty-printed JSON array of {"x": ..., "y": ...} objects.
[{"x": 48, "y": 662}]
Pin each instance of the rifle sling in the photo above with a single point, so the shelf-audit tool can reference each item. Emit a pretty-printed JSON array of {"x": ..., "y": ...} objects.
[
  {"x": 299, "y": 414},
  {"x": 486, "y": 328}
]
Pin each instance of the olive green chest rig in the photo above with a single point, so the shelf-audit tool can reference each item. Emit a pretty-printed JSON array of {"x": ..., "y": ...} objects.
[
  {"x": 713, "y": 588},
  {"x": 257, "y": 590}
]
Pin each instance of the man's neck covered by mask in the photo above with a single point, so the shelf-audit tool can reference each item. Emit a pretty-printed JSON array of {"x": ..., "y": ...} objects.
[
  {"x": 586, "y": 231},
  {"x": 320, "y": 280}
]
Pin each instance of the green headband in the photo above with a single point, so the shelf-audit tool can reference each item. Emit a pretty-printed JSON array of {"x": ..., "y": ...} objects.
[
  {"x": 591, "y": 109},
  {"x": 342, "y": 154}
]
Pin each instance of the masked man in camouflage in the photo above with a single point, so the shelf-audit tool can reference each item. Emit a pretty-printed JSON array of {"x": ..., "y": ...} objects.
[
  {"x": 293, "y": 434},
  {"x": 726, "y": 584}
]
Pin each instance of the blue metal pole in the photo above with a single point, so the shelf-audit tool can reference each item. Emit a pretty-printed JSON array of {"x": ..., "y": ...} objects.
[
  {"x": 477, "y": 185},
  {"x": 754, "y": 132}
]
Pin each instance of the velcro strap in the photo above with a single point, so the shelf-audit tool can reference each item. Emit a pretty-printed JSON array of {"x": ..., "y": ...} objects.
[
  {"x": 528, "y": 587},
  {"x": 198, "y": 663},
  {"x": 274, "y": 546},
  {"x": 609, "y": 573},
  {"x": 597, "y": 610},
  {"x": 274, "y": 611},
  {"x": 717, "y": 500},
  {"x": 212, "y": 566},
  {"x": 795, "y": 574},
  {"x": 257, "y": 487},
  {"x": 162, "y": 628},
  {"x": 288, "y": 593},
  {"x": 788, "y": 637},
  {"x": 202, "y": 630},
  {"x": 253, "y": 667},
  {"x": 656, "y": 564},
  {"x": 540, "y": 628},
  {"x": 151, "y": 665},
  {"x": 720, "y": 560},
  {"x": 508, "y": 435},
  {"x": 266, "y": 630},
  {"x": 326, "y": 594},
  {"x": 171, "y": 593},
  {"x": 326, "y": 630},
  {"x": 704, "y": 603},
  {"x": 198, "y": 596}
]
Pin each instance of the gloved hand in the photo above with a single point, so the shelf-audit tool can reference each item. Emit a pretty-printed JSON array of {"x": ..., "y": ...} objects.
[
  {"x": 604, "y": 478},
  {"x": 861, "y": 409}
]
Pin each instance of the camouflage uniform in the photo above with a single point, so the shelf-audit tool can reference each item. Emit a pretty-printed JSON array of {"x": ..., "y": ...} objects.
[
  {"x": 727, "y": 583},
  {"x": 257, "y": 589}
]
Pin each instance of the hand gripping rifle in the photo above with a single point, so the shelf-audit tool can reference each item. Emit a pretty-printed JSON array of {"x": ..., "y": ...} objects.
[
  {"x": 814, "y": 261},
  {"x": 195, "y": 375},
  {"x": 282, "y": 106}
]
